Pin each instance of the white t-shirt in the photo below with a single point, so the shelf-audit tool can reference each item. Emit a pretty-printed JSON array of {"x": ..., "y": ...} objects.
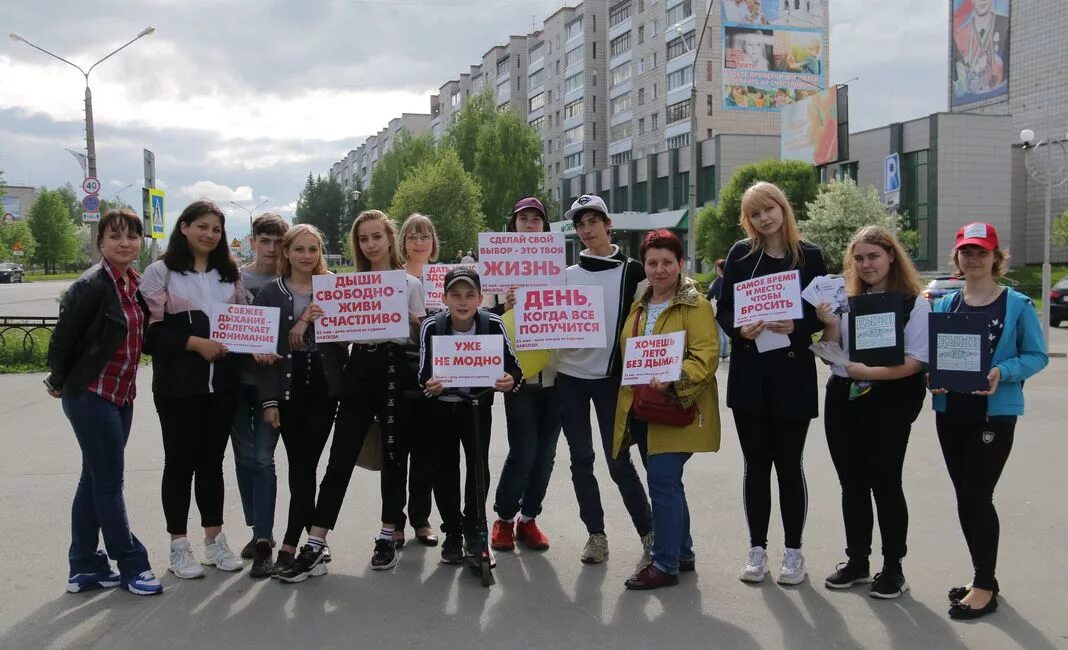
[
  {"x": 916, "y": 341},
  {"x": 416, "y": 305}
]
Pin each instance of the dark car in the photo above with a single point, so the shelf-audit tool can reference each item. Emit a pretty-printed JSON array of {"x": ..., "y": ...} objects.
[
  {"x": 1058, "y": 302},
  {"x": 941, "y": 286},
  {"x": 10, "y": 272}
]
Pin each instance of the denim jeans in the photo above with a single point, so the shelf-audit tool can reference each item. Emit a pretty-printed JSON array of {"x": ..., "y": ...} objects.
[
  {"x": 533, "y": 431},
  {"x": 573, "y": 403},
  {"x": 254, "y": 443},
  {"x": 671, "y": 513},
  {"x": 102, "y": 429}
]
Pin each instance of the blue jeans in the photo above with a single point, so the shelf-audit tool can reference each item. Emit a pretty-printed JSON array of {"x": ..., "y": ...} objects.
[
  {"x": 254, "y": 443},
  {"x": 573, "y": 403},
  {"x": 533, "y": 431},
  {"x": 671, "y": 513},
  {"x": 102, "y": 430}
]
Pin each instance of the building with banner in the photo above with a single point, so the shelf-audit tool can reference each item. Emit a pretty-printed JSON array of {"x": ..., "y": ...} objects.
[{"x": 16, "y": 202}]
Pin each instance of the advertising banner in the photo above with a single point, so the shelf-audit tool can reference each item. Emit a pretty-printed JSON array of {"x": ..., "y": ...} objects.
[
  {"x": 468, "y": 361},
  {"x": 810, "y": 129},
  {"x": 520, "y": 259},
  {"x": 653, "y": 357},
  {"x": 247, "y": 329},
  {"x": 434, "y": 284},
  {"x": 361, "y": 306},
  {"x": 979, "y": 44},
  {"x": 768, "y": 298},
  {"x": 567, "y": 317}
]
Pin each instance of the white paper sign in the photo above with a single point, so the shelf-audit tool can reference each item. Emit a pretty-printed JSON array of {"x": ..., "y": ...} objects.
[
  {"x": 563, "y": 317},
  {"x": 653, "y": 357},
  {"x": 468, "y": 361},
  {"x": 962, "y": 352},
  {"x": 246, "y": 329},
  {"x": 768, "y": 298},
  {"x": 873, "y": 331},
  {"x": 434, "y": 283},
  {"x": 767, "y": 341},
  {"x": 520, "y": 259},
  {"x": 361, "y": 306}
]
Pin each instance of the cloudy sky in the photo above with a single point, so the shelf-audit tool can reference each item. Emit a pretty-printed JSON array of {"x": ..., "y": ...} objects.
[{"x": 241, "y": 99}]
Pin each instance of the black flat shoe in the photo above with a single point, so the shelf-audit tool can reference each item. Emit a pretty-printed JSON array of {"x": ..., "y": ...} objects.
[
  {"x": 427, "y": 540},
  {"x": 956, "y": 593},
  {"x": 961, "y": 612}
]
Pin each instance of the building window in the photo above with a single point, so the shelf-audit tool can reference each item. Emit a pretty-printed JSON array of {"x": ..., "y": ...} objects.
[
  {"x": 621, "y": 73},
  {"x": 573, "y": 83},
  {"x": 680, "y": 78},
  {"x": 678, "y": 141},
  {"x": 641, "y": 97},
  {"x": 641, "y": 126},
  {"x": 573, "y": 136},
  {"x": 538, "y": 124},
  {"x": 536, "y": 102},
  {"x": 915, "y": 200},
  {"x": 573, "y": 108},
  {"x": 595, "y": 104},
  {"x": 454, "y": 99},
  {"x": 622, "y": 103},
  {"x": 711, "y": 104},
  {"x": 537, "y": 52},
  {"x": 620, "y": 158},
  {"x": 573, "y": 29},
  {"x": 621, "y": 131},
  {"x": 678, "y": 111},
  {"x": 573, "y": 56},
  {"x": 848, "y": 170},
  {"x": 620, "y": 13},
  {"x": 656, "y": 120},
  {"x": 619, "y": 45},
  {"x": 641, "y": 34},
  {"x": 679, "y": 46},
  {"x": 502, "y": 66},
  {"x": 573, "y": 161},
  {"x": 680, "y": 12},
  {"x": 537, "y": 79}
]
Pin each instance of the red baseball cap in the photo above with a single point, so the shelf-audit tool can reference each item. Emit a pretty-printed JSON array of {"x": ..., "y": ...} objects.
[
  {"x": 977, "y": 234},
  {"x": 529, "y": 203}
]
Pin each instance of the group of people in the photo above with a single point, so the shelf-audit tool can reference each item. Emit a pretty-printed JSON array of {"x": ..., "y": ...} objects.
[{"x": 380, "y": 396}]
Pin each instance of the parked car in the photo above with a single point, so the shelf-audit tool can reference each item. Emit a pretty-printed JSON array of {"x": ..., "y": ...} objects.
[
  {"x": 941, "y": 286},
  {"x": 1058, "y": 303},
  {"x": 10, "y": 272}
]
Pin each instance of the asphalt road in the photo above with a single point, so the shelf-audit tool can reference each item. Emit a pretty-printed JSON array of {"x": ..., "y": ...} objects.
[
  {"x": 542, "y": 599},
  {"x": 32, "y": 298}
]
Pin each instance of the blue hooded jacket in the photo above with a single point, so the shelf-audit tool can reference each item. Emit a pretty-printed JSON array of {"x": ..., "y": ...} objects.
[{"x": 1021, "y": 353}]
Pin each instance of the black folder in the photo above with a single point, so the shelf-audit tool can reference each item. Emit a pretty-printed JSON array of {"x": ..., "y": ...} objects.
[
  {"x": 879, "y": 340},
  {"x": 959, "y": 351}
]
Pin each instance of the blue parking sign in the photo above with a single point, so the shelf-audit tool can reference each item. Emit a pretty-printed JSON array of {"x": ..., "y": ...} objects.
[{"x": 891, "y": 174}]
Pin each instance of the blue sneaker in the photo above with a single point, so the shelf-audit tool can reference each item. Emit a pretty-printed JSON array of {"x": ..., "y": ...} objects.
[
  {"x": 80, "y": 582},
  {"x": 144, "y": 584}
]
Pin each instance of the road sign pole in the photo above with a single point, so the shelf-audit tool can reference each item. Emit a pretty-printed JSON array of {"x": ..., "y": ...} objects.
[{"x": 90, "y": 150}]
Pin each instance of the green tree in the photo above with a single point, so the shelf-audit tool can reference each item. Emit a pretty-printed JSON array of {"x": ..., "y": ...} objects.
[
  {"x": 404, "y": 155},
  {"x": 462, "y": 134},
  {"x": 73, "y": 203},
  {"x": 321, "y": 204},
  {"x": 717, "y": 227},
  {"x": 507, "y": 165},
  {"x": 355, "y": 203},
  {"x": 53, "y": 231},
  {"x": 442, "y": 190},
  {"x": 840, "y": 210},
  {"x": 17, "y": 232},
  {"x": 1060, "y": 230}
]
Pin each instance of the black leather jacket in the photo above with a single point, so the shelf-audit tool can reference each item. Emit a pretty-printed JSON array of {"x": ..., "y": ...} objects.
[{"x": 90, "y": 330}]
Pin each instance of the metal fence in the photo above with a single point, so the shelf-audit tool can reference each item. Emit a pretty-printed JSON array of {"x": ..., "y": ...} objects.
[{"x": 21, "y": 330}]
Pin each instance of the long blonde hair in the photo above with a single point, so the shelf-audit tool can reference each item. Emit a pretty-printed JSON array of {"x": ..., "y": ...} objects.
[
  {"x": 285, "y": 269},
  {"x": 759, "y": 196},
  {"x": 362, "y": 263},
  {"x": 901, "y": 278},
  {"x": 419, "y": 224}
]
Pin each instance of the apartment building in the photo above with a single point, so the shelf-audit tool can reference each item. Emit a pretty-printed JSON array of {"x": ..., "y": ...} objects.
[{"x": 357, "y": 167}]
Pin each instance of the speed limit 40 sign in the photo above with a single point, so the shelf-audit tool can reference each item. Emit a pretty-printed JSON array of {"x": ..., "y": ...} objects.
[{"x": 91, "y": 185}]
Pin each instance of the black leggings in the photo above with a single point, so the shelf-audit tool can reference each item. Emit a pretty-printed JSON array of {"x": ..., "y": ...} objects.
[
  {"x": 767, "y": 440},
  {"x": 195, "y": 431},
  {"x": 418, "y": 463},
  {"x": 976, "y": 450}
]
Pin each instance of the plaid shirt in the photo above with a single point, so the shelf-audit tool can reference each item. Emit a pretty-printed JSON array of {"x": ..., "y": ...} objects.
[{"x": 117, "y": 382}]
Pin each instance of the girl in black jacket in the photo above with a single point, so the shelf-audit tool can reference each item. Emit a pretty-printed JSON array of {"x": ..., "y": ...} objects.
[{"x": 772, "y": 394}]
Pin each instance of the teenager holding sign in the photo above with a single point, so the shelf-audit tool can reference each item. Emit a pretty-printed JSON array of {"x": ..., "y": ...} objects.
[
  {"x": 773, "y": 394},
  {"x": 672, "y": 303},
  {"x": 976, "y": 431},
  {"x": 376, "y": 377},
  {"x": 869, "y": 413}
]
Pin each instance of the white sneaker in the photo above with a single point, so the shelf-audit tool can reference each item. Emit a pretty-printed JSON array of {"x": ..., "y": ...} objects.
[
  {"x": 219, "y": 555},
  {"x": 596, "y": 549},
  {"x": 756, "y": 566},
  {"x": 183, "y": 564},
  {"x": 792, "y": 571}
]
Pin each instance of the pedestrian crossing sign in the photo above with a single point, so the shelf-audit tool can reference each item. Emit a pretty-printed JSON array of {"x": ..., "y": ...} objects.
[{"x": 156, "y": 213}]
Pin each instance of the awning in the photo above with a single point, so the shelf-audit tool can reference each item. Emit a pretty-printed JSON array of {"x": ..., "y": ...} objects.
[{"x": 639, "y": 221}]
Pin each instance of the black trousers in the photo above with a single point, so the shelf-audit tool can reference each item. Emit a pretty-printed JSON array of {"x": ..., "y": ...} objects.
[
  {"x": 976, "y": 449},
  {"x": 766, "y": 440},
  {"x": 307, "y": 418},
  {"x": 375, "y": 382},
  {"x": 867, "y": 438},
  {"x": 418, "y": 464},
  {"x": 195, "y": 432},
  {"x": 454, "y": 426}
]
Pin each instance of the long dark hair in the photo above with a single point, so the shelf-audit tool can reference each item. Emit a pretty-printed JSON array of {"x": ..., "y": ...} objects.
[{"x": 179, "y": 257}]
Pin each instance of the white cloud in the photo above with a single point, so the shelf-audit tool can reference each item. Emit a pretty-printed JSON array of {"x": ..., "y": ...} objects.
[
  {"x": 287, "y": 209},
  {"x": 217, "y": 193}
]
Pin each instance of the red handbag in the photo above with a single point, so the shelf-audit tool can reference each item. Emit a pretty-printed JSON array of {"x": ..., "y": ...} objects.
[{"x": 657, "y": 407}]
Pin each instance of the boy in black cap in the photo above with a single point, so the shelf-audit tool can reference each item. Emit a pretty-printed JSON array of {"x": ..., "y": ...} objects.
[{"x": 461, "y": 317}]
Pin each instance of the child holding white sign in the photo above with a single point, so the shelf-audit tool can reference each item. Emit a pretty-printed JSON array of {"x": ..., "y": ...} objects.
[{"x": 462, "y": 317}]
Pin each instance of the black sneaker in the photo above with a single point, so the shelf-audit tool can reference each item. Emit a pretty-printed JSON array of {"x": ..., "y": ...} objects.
[
  {"x": 889, "y": 585},
  {"x": 452, "y": 551},
  {"x": 385, "y": 555},
  {"x": 261, "y": 560},
  {"x": 306, "y": 565},
  {"x": 249, "y": 551},
  {"x": 847, "y": 575},
  {"x": 282, "y": 562}
]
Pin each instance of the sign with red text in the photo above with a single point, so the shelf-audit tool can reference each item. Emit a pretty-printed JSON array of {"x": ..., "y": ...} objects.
[
  {"x": 653, "y": 357},
  {"x": 768, "y": 298},
  {"x": 434, "y": 283},
  {"x": 560, "y": 317},
  {"x": 246, "y": 329},
  {"x": 361, "y": 306},
  {"x": 468, "y": 361},
  {"x": 520, "y": 259}
]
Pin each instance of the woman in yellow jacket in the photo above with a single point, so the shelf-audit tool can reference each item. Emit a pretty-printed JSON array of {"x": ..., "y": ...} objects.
[{"x": 671, "y": 303}]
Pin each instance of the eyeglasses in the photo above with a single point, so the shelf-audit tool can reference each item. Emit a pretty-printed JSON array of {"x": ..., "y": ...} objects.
[{"x": 421, "y": 239}]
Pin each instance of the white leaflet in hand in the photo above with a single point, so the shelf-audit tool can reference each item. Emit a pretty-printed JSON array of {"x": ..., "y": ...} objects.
[
  {"x": 830, "y": 352},
  {"x": 768, "y": 340}
]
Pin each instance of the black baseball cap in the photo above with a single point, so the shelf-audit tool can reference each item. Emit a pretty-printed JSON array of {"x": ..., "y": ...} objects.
[{"x": 462, "y": 274}]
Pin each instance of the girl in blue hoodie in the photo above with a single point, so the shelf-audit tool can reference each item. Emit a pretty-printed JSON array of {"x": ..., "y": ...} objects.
[{"x": 976, "y": 430}]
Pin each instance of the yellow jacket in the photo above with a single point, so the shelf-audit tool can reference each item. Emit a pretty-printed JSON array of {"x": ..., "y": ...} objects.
[{"x": 691, "y": 313}]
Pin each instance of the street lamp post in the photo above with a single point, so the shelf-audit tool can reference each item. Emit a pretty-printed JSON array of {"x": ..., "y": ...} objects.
[
  {"x": 250, "y": 212},
  {"x": 1045, "y": 171},
  {"x": 90, "y": 140}
]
